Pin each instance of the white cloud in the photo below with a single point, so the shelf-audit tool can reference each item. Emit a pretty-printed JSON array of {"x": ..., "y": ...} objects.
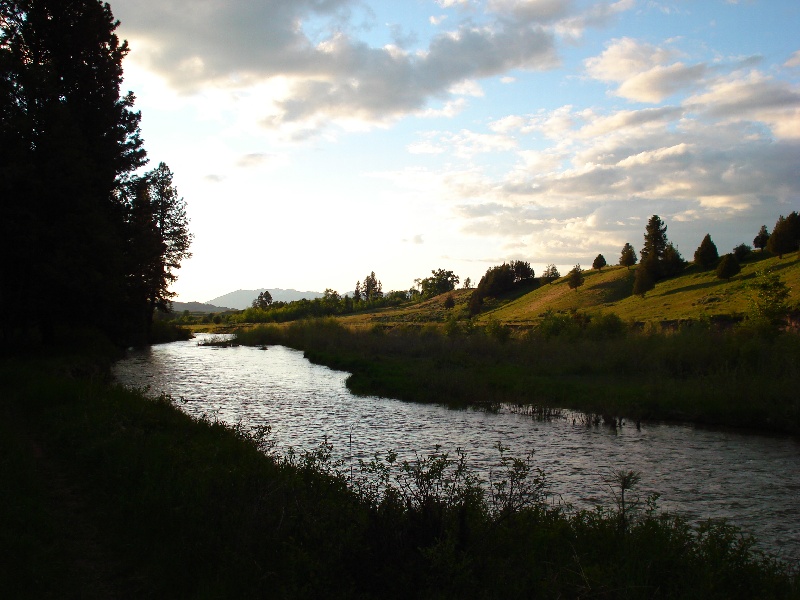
[{"x": 794, "y": 60}]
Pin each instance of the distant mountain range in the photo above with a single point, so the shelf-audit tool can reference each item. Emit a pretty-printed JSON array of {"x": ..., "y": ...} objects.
[
  {"x": 197, "y": 307},
  {"x": 241, "y": 299}
]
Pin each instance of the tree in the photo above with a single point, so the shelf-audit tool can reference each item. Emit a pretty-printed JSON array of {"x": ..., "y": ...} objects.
[
  {"x": 742, "y": 252},
  {"x": 599, "y": 262},
  {"x": 497, "y": 280},
  {"x": 68, "y": 143},
  {"x": 263, "y": 300},
  {"x": 439, "y": 282},
  {"x": 655, "y": 238},
  {"x": 522, "y": 270},
  {"x": 728, "y": 267},
  {"x": 575, "y": 278},
  {"x": 449, "y": 301},
  {"x": 467, "y": 283},
  {"x": 160, "y": 235},
  {"x": 768, "y": 299},
  {"x": 357, "y": 292},
  {"x": 672, "y": 264},
  {"x": 706, "y": 254},
  {"x": 628, "y": 256},
  {"x": 785, "y": 236},
  {"x": 761, "y": 239},
  {"x": 371, "y": 288},
  {"x": 550, "y": 274},
  {"x": 645, "y": 279}
]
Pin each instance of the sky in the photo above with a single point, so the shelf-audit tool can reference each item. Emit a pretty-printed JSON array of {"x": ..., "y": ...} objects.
[{"x": 316, "y": 141}]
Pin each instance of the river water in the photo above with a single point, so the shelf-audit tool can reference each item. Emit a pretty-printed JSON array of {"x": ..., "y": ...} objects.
[{"x": 751, "y": 480}]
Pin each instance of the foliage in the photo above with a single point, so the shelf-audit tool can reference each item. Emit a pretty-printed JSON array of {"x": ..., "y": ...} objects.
[
  {"x": 550, "y": 274},
  {"x": 449, "y": 302},
  {"x": 768, "y": 300},
  {"x": 575, "y": 278},
  {"x": 706, "y": 254},
  {"x": 655, "y": 239},
  {"x": 439, "y": 282},
  {"x": 646, "y": 276},
  {"x": 728, "y": 267},
  {"x": 761, "y": 239},
  {"x": 628, "y": 256},
  {"x": 785, "y": 236},
  {"x": 599, "y": 262},
  {"x": 522, "y": 270},
  {"x": 263, "y": 301},
  {"x": 497, "y": 280},
  {"x": 672, "y": 263},
  {"x": 742, "y": 252},
  {"x": 371, "y": 289}
]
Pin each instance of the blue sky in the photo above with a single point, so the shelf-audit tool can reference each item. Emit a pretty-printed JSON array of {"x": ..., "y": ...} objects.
[{"x": 318, "y": 140}]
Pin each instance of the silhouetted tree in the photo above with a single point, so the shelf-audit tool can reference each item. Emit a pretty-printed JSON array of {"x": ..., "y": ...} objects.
[
  {"x": 68, "y": 143},
  {"x": 645, "y": 279},
  {"x": 263, "y": 300},
  {"x": 761, "y": 239},
  {"x": 467, "y": 283},
  {"x": 706, "y": 254},
  {"x": 575, "y": 278},
  {"x": 160, "y": 240},
  {"x": 628, "y": 256},
  {"x": 728, "y": 267},
  {"x": 371, "y": 288},
  {"x": 672, "y": 263},
  {"x": 742, "y": 252},
  {"x": 449, "y": 301},
  {"x": 522, "y": 270},
  {"x": 655, "y": 238},
  {"x": 599, "y": 262},
  {"x": 550, "y": 274},
  {"x": 785, "y": 236},
  {"x": 357, "y": 292},
  {"x": 439, "y": 282}
]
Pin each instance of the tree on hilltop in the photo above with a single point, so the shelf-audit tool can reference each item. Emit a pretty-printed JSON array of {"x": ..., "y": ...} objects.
[
  {"x": 728, "y": 267},
  {"x": 599, "y": 262},
  {"x": 628, "y": 256},
  {"x": 761, "y": 239},
  {"x": 439, "y": 282},
  {"x": 785, "y": 236},
  {"x": 706, "y": 254},
  {"x": 655, "y": 238},
  {"x": 550, "y": 274},
  {"x": 575, "y": 278}
]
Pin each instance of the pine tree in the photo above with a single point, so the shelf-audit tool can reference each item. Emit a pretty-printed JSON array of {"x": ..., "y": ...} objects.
[
  {"x": 728, "y": 267},
  {"x": 646, "y": 276},
  {"x": 628, "y": 256},
  {"x": 599, "y": 262},
  {"x": 785, "y": 236},
  {"x": 761, "y": 239},
  {"x": 655, "y": 238},
  {"x": 575, "y": 278},
  {"x": 706, "y": 254}
]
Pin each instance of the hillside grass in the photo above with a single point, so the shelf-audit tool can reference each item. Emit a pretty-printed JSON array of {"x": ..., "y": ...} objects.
[{"x": 693, "y": 295}]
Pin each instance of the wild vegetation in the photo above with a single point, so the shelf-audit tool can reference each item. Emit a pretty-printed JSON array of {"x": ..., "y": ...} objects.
[{"x": 107, "y": 493}]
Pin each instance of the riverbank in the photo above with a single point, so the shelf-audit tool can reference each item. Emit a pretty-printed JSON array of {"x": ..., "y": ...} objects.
[
  {"x": 734, "y": 378},
  {"x": 110, "y": 494}
]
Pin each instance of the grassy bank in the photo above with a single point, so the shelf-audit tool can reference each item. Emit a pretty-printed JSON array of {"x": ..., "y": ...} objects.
[
  {"x": 106, "y": 493},
  {"x": 735, "y": 378}
]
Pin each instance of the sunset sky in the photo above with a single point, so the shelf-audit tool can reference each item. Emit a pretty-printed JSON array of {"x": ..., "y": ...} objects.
[{"x": 318, "y": 140}]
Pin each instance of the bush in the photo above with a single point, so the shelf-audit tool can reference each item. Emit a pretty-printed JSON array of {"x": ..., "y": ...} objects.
[{"x": 728, "y": 267}]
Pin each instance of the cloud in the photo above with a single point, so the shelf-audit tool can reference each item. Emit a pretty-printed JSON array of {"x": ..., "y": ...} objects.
[{"x": 794, "y": 60}]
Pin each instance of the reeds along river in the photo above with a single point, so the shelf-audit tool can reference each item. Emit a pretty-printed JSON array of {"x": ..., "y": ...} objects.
[{"x": 751, "y": 480}]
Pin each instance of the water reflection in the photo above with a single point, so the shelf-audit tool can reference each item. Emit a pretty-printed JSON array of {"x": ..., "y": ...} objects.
[{"x": 752, "y": 480}]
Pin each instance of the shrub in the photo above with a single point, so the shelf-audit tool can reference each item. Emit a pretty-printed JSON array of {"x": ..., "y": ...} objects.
[{"x": 728, "y": 267}]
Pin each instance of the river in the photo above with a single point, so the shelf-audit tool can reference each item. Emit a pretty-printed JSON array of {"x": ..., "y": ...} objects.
[{"x": 751, "y": 480}]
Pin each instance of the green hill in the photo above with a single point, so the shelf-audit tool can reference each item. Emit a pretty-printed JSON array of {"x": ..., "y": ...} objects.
[{"x": 693, "y": 295}]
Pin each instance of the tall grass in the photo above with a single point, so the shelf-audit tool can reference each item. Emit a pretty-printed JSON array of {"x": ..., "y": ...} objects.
[
  {"x": 698, "y": 373},
  {"x": 178, "y": 507}
]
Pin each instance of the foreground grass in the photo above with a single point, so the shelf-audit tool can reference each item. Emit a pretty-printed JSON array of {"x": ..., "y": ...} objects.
[
  {"x": 736, "y": 378},
  {"x": 106, "y": 493}
]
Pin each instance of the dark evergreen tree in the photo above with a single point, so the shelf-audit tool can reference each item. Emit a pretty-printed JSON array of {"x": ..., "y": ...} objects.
[
  {"x": 646, "y": 276},
  {"x": 449, "y": 301},
  {"x": 742, "y": 252},
  {"x": 599, "y": 262},
  {"x": 68, "y": 142},
  {"x": 785, "y": 236},
  {"x": 575, "y": 278},
  {"x": 706, "y": 254},
  {"x": 760, "y": 241},
  {"x": 371, "y": 288},
  {"x": 655, "y": 238},
  {"x": 728, "y": 267},
  {"x": 357, "y": 292},
  {"x": 628, "y": 256},
  {"x": 672, "y": 264}
]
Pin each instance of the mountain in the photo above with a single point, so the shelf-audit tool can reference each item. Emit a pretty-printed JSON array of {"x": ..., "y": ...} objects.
[
  {"x": 197, "y": 307},
  {"x": 244, "y": 298}
]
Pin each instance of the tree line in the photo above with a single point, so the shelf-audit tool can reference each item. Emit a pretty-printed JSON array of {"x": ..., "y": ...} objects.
[{"x": 86, "y": 237}]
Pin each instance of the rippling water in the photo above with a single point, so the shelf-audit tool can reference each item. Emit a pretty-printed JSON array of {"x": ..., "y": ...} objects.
[{"x": 752, "y": 480}]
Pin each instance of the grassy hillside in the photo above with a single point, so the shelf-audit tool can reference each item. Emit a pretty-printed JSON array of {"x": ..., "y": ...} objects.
[{"x": 694, "y": 295}]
